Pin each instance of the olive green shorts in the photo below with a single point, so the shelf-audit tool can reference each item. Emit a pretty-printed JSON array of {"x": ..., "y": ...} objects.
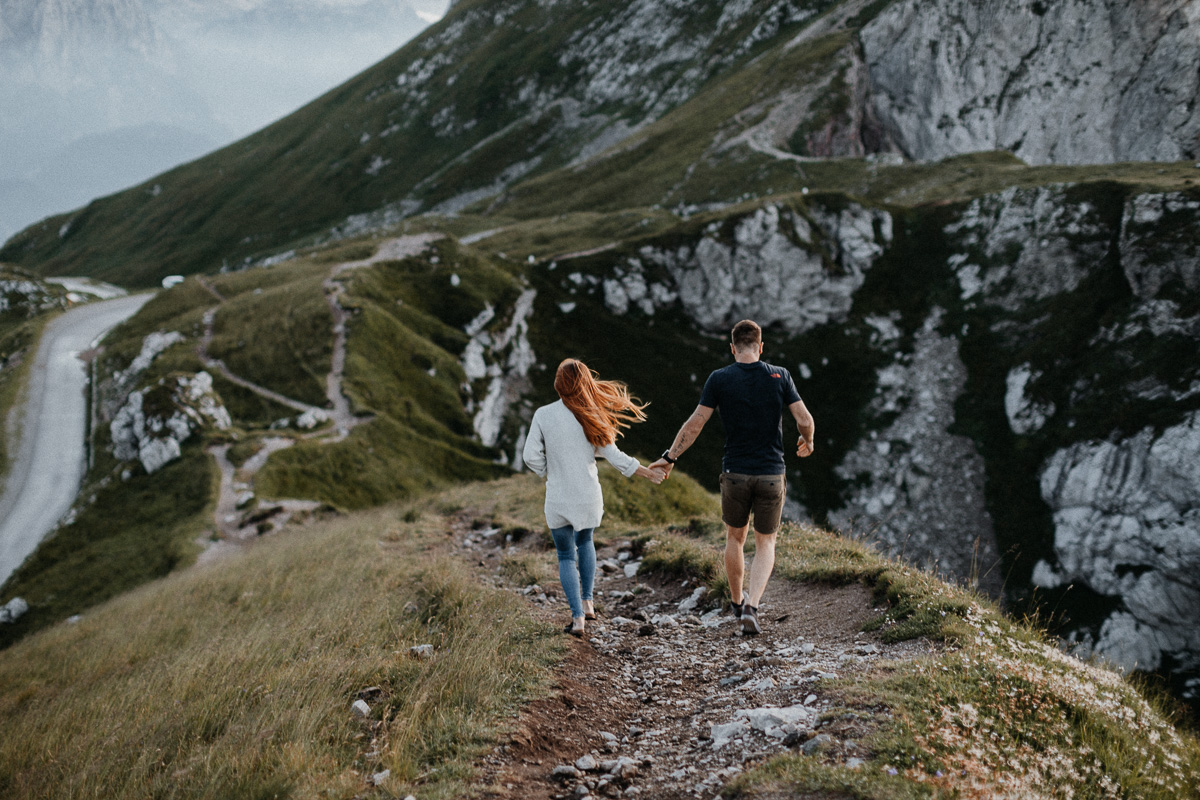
[{"x": 762, "y": 494}]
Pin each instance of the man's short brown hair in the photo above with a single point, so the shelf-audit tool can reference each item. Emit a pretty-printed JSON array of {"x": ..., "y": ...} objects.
[{"x": 746, "y": 334}]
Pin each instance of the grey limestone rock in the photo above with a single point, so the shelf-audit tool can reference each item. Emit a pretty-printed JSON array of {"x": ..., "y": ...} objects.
[
  {"x": 971, "y": 75},
  {"x": 155, "y": 421},
  {"x": 1024, "y": 245},
  {"x": 772, "y": 266},
  {"x": 13, "y": 610},
  {"x": 925, "y": 492},
  {"x": 1127, "y": 524},
  {"x": 1160, "y": 243}
]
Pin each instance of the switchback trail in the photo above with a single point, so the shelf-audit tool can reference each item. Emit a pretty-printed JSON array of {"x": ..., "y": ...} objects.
[{"x": 237, "y": 516}]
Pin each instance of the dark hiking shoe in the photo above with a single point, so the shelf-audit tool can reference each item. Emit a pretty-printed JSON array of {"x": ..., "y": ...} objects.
[
  {"x": 750, "y": 621},
  {"x": 736, "y": 608}
]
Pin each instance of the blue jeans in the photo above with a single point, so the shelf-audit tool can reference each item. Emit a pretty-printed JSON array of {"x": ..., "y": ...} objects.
[{"x": 576, "y": 565}]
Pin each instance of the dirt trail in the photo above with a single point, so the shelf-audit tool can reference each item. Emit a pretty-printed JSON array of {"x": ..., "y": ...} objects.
[
  {"x": 239, "y": 516},
  {"x": 676, "y": 691}
]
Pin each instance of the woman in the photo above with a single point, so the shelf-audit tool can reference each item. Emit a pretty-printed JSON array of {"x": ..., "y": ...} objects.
[{"x": 563, "y": 442}]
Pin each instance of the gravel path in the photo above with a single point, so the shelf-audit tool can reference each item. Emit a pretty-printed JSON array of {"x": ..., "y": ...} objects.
[
  {"x": 49, "y": 461},
  {"x": 667, "y": 699}
]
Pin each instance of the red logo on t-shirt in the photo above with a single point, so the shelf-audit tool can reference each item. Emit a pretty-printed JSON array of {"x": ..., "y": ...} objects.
[{"x": 776, "y": 375}]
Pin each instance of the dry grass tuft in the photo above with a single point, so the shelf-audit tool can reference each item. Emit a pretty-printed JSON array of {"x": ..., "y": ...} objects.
[{"x": 236, "y": 679}]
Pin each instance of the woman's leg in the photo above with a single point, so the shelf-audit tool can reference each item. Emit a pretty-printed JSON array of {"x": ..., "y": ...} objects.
[
  {"x": 568, "y": 572},
  {"x": 586, "y": 550}
]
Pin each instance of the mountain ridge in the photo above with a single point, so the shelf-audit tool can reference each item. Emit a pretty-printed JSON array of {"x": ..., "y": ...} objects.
[{"x": 976, "y": 326}]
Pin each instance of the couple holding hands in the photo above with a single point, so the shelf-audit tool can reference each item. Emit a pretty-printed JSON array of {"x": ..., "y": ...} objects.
[{"x": 566, "y": 437}]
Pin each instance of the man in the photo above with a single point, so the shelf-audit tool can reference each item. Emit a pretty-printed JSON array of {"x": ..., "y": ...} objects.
[{"x": 751, "y": 395}]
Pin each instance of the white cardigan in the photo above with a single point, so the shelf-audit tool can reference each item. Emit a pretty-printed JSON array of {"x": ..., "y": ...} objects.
[{"x": 557, "y": 449}]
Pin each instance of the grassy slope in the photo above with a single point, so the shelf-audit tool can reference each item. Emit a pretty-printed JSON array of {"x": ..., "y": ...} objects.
[
  {"x": 274, "y": 326},
  {"x": 235, "y": 679}
]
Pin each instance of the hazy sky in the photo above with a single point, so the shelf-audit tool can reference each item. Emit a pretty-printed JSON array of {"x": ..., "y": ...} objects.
[{"x": 94, "y": 125}]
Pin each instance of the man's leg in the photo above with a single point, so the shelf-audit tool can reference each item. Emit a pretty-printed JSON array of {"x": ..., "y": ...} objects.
[
  {"x": 768, "y": 507},
  {"x": 761, "y": 566},
  {"x": 735, "y": 559}
]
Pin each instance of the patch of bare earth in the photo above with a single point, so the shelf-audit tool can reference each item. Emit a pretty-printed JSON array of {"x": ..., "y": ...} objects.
[{"x": 665, "y": 697}]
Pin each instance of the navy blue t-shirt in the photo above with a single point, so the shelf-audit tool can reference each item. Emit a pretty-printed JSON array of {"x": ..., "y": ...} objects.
[{"x": 751, "y": 399}]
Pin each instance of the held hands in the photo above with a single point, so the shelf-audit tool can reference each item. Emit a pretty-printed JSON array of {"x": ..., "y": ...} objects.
[
  {"x": 804, "y": 449},
  {"x": 652, "y": 474},
  {"x": 663, "y": 466}
]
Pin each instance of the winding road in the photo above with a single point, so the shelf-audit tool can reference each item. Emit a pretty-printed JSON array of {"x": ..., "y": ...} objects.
[{"x": 49, "y": 461}]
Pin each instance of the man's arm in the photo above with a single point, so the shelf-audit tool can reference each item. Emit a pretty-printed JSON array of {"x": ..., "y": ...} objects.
[
  {"x": 686, "y": 436},
  {"x": 807, "y": 428}
]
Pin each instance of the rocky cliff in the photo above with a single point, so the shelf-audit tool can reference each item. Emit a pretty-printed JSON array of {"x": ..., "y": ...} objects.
[
  {"x": 1005, "y": 388},
  {"x": 968, "y": 75}
]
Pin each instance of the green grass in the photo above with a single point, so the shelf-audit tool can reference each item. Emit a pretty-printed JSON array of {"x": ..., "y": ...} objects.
[
  {"x": 380, "y": 461},
  {"x": 236, "y": 679},
  {"x": 279, "y": 334},
  {"x": 18, "y": 348}
]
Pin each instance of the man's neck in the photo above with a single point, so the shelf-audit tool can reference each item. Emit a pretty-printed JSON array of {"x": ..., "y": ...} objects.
[{"x": 746, "y": 358}]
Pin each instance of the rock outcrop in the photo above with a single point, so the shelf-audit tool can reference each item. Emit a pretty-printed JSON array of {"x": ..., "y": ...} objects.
[
  {"x": 1127, "y": 525},
  {"x": 156, "y": 420},
  {"x": 499, "y": 359},
  {"x": 13, "y": 610},
  {"x": 22, "y": 297},
  {"x": 970, "y": 75},
  {"x": 776, "y": 266},
  {"x": 1043, "y": 314}
]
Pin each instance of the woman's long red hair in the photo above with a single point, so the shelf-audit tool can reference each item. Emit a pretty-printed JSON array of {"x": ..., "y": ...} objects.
[{"x": 603, "y": 408}]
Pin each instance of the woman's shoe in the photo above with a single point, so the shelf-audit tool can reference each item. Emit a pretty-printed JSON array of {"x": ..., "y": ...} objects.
[{"x": 571, "y": 629}]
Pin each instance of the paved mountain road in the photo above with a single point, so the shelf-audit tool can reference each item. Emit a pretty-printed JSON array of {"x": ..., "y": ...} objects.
[{"x": 49, "y": 461}]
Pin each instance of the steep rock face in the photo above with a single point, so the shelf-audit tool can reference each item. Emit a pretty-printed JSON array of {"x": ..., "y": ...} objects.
[
  {"x": 776, "y": 266},
  {"x": 1018, "y": 343},
  {"x": 1160, "y": 244},
  {"x": 923, "y": 497},
  {"x": 1127, "y": 525},
  {"x": 1024, "y": 245},
  {"x": 499, "y": 358},
  {"x": 971, "y": 75}
]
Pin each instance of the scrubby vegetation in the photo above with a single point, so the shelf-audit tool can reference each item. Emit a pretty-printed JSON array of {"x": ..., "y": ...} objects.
[
  {"x": 236, "y": 679},
  {"x": 996, "y": 710}
]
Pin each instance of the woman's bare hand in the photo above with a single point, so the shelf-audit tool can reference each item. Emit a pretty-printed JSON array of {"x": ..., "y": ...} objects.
[{"x": 655, "y": 476}]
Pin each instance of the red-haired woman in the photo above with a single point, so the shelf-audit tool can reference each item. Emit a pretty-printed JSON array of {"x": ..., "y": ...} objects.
[{"x": 563, "y": 442}]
